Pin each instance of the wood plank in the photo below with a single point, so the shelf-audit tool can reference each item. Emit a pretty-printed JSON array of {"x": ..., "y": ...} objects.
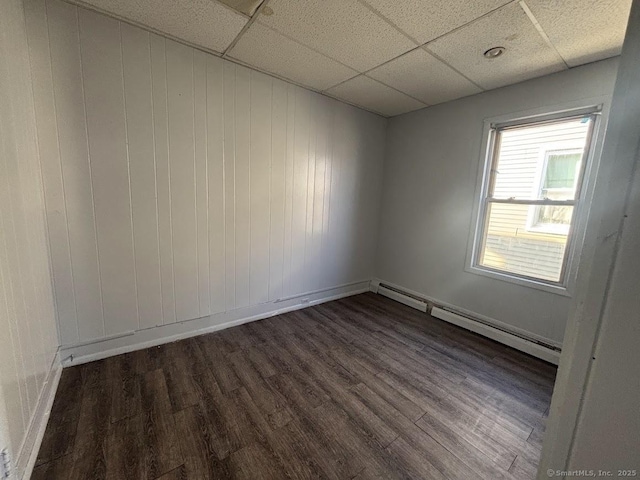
[
  {"x": 262, "y": 395},
  {"x": 358, "y": 388},
  {"x": 255, "y": 462},
  {"x": 154, "y": 393},
  {"x": 198, "y": 443},
  {"x": 179, "y": 473},
  {"x": 144, "y": 446},
  {"x": 89, "y": 454},
  {"x": 58, "y": 468},
  {"x": 181, "y": 388},
  {"x": 300, "y": 455},
  {"x": 218, "y": 362}
]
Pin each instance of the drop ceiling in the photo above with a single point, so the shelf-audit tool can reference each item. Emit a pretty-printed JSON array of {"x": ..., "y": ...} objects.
[{"x": 390, "y": 56}]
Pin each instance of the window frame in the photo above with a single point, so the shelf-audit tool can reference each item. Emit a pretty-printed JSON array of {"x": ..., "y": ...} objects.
[{"x": 581, "y": 205}]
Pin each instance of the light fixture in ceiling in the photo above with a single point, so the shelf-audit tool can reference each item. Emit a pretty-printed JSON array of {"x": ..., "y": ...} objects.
[{"x": 494, "y": 52}]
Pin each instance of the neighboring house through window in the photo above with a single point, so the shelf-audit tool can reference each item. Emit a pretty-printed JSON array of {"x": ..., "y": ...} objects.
[
  {"x": 558, "y": 181},
  {"x": 530, "y": 195}
]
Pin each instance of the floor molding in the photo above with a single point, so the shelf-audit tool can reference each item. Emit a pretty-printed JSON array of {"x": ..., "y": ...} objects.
[
  {"x": 137, "y": 340},
  {"x": 26, "y": 458}
]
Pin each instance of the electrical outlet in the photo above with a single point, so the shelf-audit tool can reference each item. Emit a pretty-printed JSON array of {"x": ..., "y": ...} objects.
[{"x": 5, "y": 464}]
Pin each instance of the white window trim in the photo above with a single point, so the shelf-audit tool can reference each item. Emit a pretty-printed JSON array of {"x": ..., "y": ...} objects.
[{"x": 595, "y": 105}]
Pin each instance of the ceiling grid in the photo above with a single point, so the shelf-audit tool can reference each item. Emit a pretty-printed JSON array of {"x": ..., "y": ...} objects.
[{"x": 386, "y": 56}]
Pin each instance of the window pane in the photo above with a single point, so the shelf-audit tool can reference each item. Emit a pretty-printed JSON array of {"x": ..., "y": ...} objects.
[
  {"x": 555, "y": 218},
  {"x": 562, "y": 170},
  {"x": 540, "y": 161},
  {"x": 508, "y": 244}
]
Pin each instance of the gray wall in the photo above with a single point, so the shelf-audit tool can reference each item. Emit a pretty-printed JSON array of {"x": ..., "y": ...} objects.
[
  {"x": 430, "y": 177},
  {"x": 28, "y": 337}
]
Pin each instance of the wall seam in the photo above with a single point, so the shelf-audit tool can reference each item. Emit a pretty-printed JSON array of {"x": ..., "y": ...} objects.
[
  {"x": 64, "y": 195},
  {"x": 93, "y": 206},
  {"x": 155, "y": 178},
  {"x": 126, "y": 136},
  {"x": 173, "y": 274}
]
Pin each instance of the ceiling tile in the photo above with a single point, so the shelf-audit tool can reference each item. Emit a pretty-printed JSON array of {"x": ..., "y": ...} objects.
[
  {"x": 200, "y": 22},
  {"x": 374, "y": 96},
  {"x": 583, "y": 31},
  {"x": 345, "y": 30},
  {"x": 270, "y": 51},
  {"x": 424, "y": 77},
  {"x": 248, "y": 7},
  {"x": 527, "y": 54},
  {"x": 425, "y": 21}
]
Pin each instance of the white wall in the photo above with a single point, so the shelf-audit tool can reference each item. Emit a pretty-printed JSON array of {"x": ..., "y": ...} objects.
[
  {"x": 607, "y": 436},
  {"x": 179, "y": 185},
  {"x": 593, "y": 421},
  {"x": 28, "y": 338},
  {"x": 429, "y": 189}
]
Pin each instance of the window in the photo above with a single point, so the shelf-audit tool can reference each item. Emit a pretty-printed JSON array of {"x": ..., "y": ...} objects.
[{"x": 530, "y": 195}]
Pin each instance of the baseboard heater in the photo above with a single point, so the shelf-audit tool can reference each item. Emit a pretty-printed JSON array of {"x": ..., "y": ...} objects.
[
  {"x": 403, "y": 297},
  {"x": 532, "y": 346}
]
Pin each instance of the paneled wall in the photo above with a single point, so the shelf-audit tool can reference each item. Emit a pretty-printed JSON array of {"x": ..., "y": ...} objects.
[
  {"x": 180, "y": 185},
  {"x": 28, "y": 337}
]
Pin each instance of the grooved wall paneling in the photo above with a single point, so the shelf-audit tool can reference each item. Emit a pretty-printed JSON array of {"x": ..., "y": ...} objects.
[
  {"x": 28, "y": 342},
  {"x": 181, "y": 185},
  {"x": 75, "y": 185},
  {"x": 138, "y": 101}
]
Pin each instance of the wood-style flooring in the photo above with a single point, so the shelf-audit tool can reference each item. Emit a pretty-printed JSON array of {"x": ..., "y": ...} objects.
[{"x": 359, "y": 388}]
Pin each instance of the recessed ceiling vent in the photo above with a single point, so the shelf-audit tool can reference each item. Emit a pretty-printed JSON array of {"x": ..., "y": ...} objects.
[{"x": 248, "y": 7}]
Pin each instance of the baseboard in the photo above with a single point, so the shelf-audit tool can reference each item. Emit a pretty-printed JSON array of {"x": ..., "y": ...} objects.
[
  {"x": 137, "y": 340},
  {"x": 528, "y": 342},
  {"x": 26, "y": 458}
]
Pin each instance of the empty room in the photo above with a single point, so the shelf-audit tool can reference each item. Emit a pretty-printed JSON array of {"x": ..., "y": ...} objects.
[{"x": 319, "y": 239}]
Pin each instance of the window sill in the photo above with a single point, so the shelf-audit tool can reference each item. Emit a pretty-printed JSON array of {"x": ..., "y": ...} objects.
[{"x": 517, "y": 280}]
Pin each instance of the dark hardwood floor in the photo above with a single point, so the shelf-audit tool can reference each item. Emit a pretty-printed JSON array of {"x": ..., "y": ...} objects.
[{"x": 357, "y": 388}]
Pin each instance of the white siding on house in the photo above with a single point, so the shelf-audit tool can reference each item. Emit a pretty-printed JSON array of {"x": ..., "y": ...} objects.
[{"x": 512, "y": 243}]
